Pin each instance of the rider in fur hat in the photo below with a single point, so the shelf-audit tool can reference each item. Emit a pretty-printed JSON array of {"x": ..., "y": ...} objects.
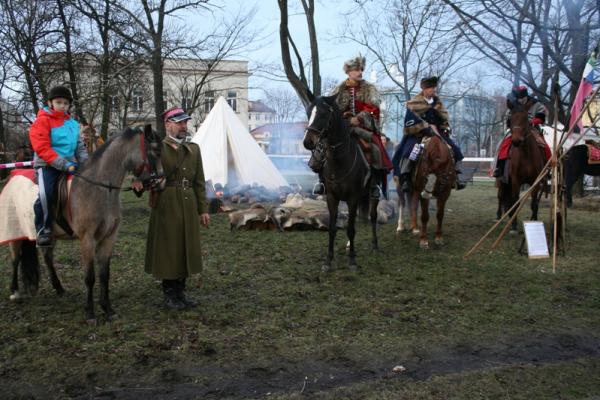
[{"x": 359, "y": 101}]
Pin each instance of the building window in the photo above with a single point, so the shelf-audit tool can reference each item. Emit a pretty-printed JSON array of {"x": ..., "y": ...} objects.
[
  {"x": 232, "y": 99},
  {"x": 137, "y": 101},
  {"x": 186, "y": 103},
  {"x": 209, "y": 101}
]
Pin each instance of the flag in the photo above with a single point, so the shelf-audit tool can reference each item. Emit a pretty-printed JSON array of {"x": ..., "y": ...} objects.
[{"x": 585, "y": 88}]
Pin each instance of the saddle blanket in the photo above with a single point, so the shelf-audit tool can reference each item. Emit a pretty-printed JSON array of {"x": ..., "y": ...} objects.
[
  {"x": 16, "y": 207},
  {"x": 593, "y": 154}
]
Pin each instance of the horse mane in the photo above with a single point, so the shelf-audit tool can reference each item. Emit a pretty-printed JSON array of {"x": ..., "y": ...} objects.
[{"x": 127, "y": 134}]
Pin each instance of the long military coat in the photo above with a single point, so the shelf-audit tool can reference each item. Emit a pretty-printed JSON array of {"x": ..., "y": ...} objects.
[{"x": 174, "y": 233}]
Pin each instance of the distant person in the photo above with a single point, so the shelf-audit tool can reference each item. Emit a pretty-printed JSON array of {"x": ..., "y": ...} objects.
[
  {"x": 537, "y": 116},
  {"x": 173, "y": 250},
  {"x": 58, "y": 148},
  {"x": 426, "y": 115},
  {"x": 359, "y": 100}
]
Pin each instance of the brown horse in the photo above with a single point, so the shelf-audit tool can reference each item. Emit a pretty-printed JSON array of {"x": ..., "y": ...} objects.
[
  {"x": 525, "y": 162},
  {"x": 435, "y": 176},
  {"x": 94, "y": 214}
]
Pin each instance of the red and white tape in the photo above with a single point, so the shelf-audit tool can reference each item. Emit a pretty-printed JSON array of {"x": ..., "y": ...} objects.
[{"x": 16, "y": 165}]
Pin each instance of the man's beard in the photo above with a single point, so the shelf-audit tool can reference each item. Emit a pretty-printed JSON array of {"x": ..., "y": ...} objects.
[{"x": 179, "y": 135}]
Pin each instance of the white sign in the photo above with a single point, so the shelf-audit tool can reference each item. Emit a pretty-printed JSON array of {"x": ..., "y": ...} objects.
[{"x": 535, "y": 235}]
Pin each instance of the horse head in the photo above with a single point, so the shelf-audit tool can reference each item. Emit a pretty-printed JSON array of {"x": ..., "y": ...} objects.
[
  {"x": 519, "y": 121},
  {"x": 149, "y": 167},
  {"x": 321, "y": 113}
]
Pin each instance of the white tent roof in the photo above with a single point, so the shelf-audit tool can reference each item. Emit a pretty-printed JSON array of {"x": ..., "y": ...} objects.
[{"x": 226, "y": 144}]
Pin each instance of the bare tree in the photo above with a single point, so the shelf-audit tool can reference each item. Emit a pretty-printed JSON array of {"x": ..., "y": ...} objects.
[
  {"x": 151, "y": 18},
  {"x": 540, "y": 43},
  {"x": 299, "y": 80},
  {"x": 286, "y": 105},
  {"x": 409, "y": 39}
]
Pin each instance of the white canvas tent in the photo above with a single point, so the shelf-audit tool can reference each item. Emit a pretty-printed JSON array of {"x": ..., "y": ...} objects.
[{"x": 230, "y": 154}]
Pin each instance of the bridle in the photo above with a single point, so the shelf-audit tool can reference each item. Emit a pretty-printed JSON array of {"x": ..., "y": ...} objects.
[{"x": 153, "y": 178}]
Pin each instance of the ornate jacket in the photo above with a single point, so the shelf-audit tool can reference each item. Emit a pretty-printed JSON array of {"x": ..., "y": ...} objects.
[
  {"x": 420, "y": 115},
  {"x": 362, "y": 100}
]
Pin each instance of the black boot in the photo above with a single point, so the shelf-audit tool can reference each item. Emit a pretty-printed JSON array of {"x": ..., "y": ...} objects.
[
  {"x": 188, "y": 301},
  {"x": 499, "y": 170},
  {"x": 405, "y": 182},
  {"x": 170, "y": 289},
  {"x": 44, "y": 238}
]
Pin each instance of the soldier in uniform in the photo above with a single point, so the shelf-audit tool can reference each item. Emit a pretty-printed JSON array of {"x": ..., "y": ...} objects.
[
  {"x": 426, "y": 115},
  {"x": 537, "y": 117},
  {"x": 359, "y": 101}
]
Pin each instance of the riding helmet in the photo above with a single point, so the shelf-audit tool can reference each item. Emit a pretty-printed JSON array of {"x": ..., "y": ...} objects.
[{"x": 60, "y": 92}]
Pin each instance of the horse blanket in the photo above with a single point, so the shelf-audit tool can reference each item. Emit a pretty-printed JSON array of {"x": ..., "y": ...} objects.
[
  {"x": 593, "y": 153},
  {"x": 16, "y": 207}
]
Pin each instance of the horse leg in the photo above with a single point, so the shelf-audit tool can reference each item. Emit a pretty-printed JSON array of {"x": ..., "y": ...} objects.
[
  {"x": 514, "y": 197},
  {"x": 15, "y": 256},
  {"x": 535, "y": 202},
  {"x": 49, "y": 260},
  {"x": 351, "y": 232},
  {"x": 414, "y": 227},
  {"x": 441, "y": 204},
  {"x": 332, "y": 205},
  {"x": 401, "y": 207},
  {"x": 423, "y": 242},
  {"x": 103, "y": 254},
  {"x": 373, "y": 216},
  {"x": 87, "y": 255}
]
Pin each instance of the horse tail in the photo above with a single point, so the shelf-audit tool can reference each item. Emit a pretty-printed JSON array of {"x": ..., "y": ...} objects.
[{"x": 30, "y": 266}]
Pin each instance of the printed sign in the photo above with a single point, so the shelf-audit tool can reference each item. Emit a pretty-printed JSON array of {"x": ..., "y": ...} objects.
[{"x": 535, "y": 235}]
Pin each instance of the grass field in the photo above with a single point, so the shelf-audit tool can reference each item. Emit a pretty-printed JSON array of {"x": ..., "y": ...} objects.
[{"x": 271, "y": 325}]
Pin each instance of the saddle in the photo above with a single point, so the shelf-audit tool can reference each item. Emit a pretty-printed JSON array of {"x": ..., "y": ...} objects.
[
  {"x": 593, "y": 152},
  {"x": 366, "y": 149}
]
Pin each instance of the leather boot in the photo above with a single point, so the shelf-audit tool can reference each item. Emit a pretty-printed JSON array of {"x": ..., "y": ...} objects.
[
  {"x": 499, "y": 170},
  {"x": 319, "y": 188},
  {"x": 188, "y": 301},
  {"x": 170, "y": 289},
  {"x": 44, "y": 238}
]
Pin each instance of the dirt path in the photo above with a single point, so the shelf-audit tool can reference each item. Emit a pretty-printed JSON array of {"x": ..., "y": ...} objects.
[{"x": 256, "y": 380}]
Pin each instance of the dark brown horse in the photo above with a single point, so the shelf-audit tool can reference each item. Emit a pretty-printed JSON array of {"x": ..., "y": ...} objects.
[
  {"x": 345, "y": 173},
  {"x": 525, "y": 162},
  {"x": 94, "y": 214},
  {"x": 435, "y": 176},
  {"x": 575, "y": 165}
]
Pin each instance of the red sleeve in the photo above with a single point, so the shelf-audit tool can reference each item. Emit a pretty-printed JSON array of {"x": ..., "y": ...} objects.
[{"x": 39, "y": 135}]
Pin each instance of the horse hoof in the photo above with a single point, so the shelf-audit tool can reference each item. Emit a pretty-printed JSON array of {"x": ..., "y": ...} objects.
[
  {"x": 15, "y": 296},
  {"x": 416, "y": 232},
  {"x": 60, "y": 291},
  {"x": 513, "y": 231},
  {"x": 424, "y": 245},
  {"x": 91, "y": 321},
  {"x": 439, "y": 241},
  {"x": 326, "y": 268},
  {"x": 353, "y": 267},
  {"x": 112, "y": 317}
]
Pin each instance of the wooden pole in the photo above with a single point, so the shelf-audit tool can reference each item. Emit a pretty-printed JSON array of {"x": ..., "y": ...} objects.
[{"x": 555, "y": 181}]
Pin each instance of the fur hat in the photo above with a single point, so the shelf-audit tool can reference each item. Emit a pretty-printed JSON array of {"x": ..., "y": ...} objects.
[
  {"x": 60, "y": 92},
  {"x": 355, "y": 63},
  {"x": 429, "y": 82}
]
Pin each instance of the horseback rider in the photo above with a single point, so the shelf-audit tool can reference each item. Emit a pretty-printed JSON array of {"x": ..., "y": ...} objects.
[
  {"x": 426, "y": 115},
  {"x": 54, "y": 136},
  {"x": 537, "y": 117},
  {"x": 359, "y": 100}
]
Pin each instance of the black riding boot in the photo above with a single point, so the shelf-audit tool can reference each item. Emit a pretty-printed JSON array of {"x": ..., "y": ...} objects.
[
  {"x": 375, "y": 191},
  {"x": 460, "y": 183},
  {"x": 499, "y": 168},
  {"x": 188, "y": 301},
  {"x": 171, "y": 289}
]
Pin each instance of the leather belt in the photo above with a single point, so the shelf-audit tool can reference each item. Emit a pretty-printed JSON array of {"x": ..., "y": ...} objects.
[{"x": 184, "y": 183}]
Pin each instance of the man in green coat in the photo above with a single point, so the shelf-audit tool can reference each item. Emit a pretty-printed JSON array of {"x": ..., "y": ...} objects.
[{"x": 173, "y": 247}]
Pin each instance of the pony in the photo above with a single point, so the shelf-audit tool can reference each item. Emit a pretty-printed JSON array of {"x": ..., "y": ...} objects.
[
  {"x": 93, "y": 212},
  {"x": 434, "y": 176},
  {"x": 575, "y": 165},
  {"x": 525, "y": 162},
  {"x": 346, "y": 173}
]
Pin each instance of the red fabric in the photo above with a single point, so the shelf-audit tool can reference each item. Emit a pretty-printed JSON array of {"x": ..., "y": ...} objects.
[
  {"x": 507, "y": 142},
  {"x": 594, "y": 153},
  {"x": 370, "y": 108},
  {"x": 537, "y": 121},
  {"x": 387, "y": 163},
  {"x": 27, "y": 173},
  {"x": 39, "y": 133}
]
